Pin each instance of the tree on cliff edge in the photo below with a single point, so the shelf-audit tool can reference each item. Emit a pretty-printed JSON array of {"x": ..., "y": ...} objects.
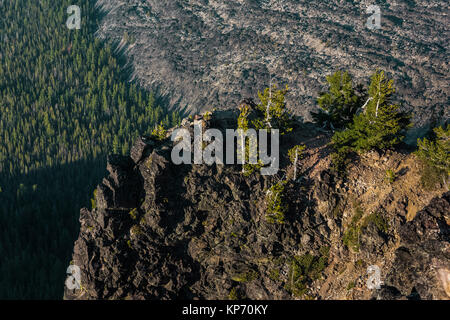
[
  {"x": 380, "y": 125},
  {"x": 338, "y": 106}
]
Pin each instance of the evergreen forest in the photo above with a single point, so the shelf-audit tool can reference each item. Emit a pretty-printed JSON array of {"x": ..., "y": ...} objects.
[{"x": 65, "y": 103}]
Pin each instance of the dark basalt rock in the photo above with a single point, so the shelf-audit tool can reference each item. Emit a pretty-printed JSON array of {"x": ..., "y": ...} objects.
[
  {"x": 373, "y": 241},
  {"x": 142, "y": 147},
  {"x": 122, "y": 187},
  {"x": 424, "y": 251},
  {"x": 166, "y": 231}
]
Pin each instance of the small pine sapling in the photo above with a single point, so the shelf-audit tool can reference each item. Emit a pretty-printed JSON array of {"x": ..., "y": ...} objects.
[{"x": 295, "y": 154}]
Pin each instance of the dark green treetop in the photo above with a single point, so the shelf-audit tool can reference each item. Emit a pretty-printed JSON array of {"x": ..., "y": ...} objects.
[{"x": 340, "y": 103}]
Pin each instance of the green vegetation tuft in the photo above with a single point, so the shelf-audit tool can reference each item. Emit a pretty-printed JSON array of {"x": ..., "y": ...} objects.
[
  {"x": 351, "y": 285},
  {"x": 207, "y": 116},
  {"x": 274, "y": 274},
  {"x": 133, "y": 213},
  {"x": 390, "y": 176},
  {"x": 356, "y": 227},
  {"x": 93, "y": 200},
  {"x": 351, "y": 235},
  {"x": 247, "y": 276},
  {"x": 233, "y": 295},
  {"x": 159, "y": 133},
  {"x": 351, "y": 238},
  {"x": 360, "y": 263},
  {"x": 295, "y": 154},
  {"x": 277, "y": 205},
  {"x": 303, "y": 271},
  {"x": 378, "y": 220},
  {"x": 435, "y": 156},
  {"x": 136, "y": 230}
]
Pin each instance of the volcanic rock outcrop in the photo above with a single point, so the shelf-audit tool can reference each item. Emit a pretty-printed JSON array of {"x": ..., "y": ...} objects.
[{"x": 165, "y": 231}]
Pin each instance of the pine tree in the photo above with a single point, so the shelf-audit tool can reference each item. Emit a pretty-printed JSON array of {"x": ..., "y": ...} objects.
[
  {"x": 243, "y": 149},
  {"x": 270, "y": 113},
  {"x": 65, "y": 103},
  {"x": 116, "y": 145},
  {"x": 295, "y": 154},
  {"x": 159, "y": 133},
  {"x": 272, "y": 107},
  {"x": 339, "y": 105},
  {"x": 277, "y": 206},
  {"x": 380, "y": 125},
  {"x": 436, "y": 152}
]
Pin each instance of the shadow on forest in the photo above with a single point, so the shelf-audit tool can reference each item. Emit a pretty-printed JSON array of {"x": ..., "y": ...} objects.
[{"x": 39, "y": 223}]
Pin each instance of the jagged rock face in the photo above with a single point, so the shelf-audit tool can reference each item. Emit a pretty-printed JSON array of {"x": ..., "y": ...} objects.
[
  {"x": 421, "y": 268},
  {"x": 210, "y": 54},
  {"x": 165, "y": 231}
]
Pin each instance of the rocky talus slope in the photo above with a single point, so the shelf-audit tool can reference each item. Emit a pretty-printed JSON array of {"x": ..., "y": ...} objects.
[
  {"x": 166, "y": 231},
  {"x": 213, "y": 53}
]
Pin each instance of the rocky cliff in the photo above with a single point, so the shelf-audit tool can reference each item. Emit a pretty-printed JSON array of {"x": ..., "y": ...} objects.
[{"x": 165, "y": 231}]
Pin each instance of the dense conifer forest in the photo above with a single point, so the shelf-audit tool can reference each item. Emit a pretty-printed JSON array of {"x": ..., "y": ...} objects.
[{"x": 65, "y": 103}]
